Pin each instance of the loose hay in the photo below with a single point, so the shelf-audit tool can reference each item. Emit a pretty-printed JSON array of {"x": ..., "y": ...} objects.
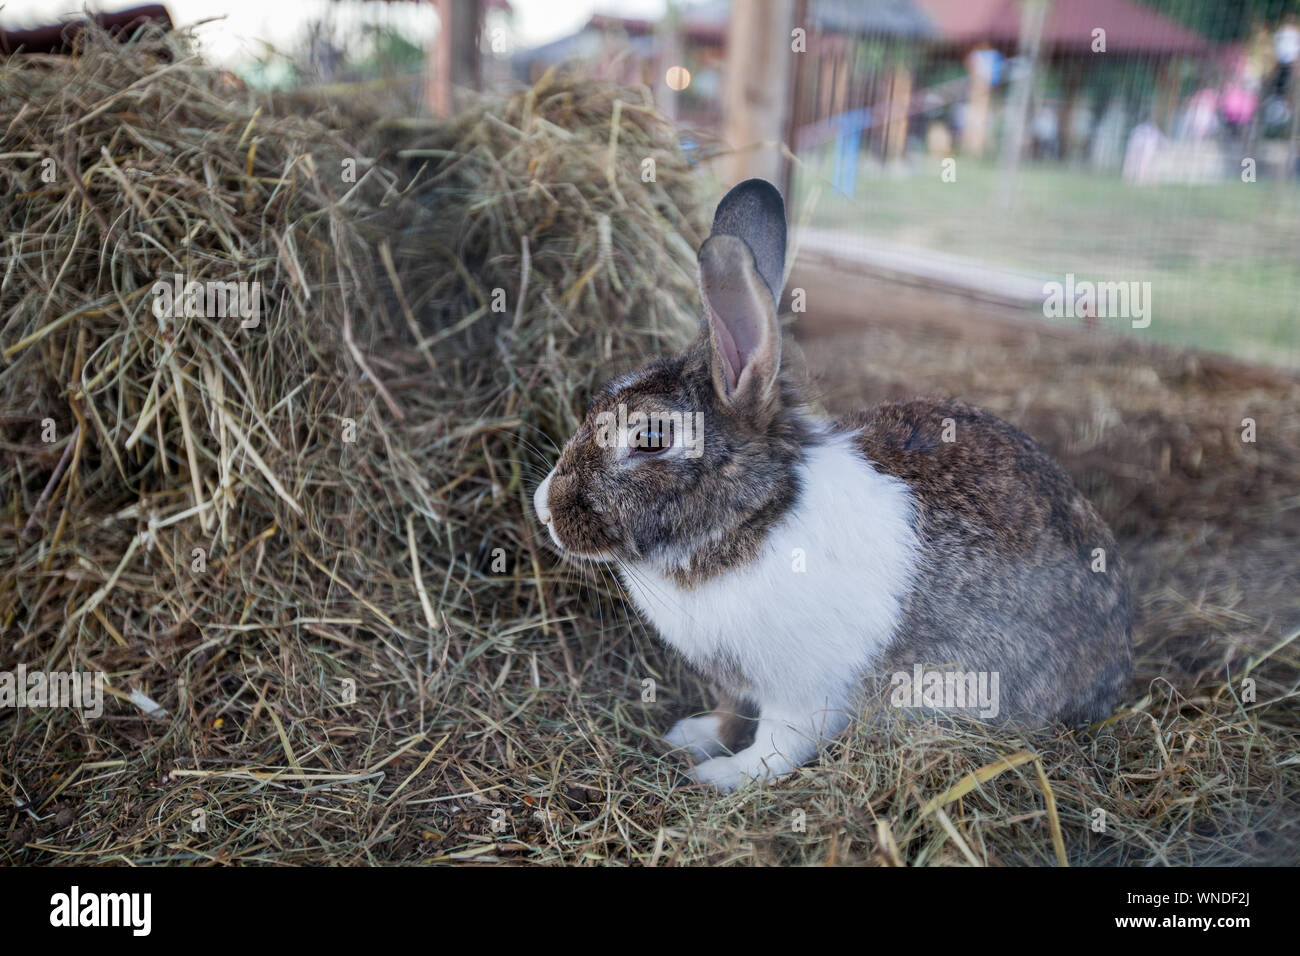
[{"x": 498, "y": 713}]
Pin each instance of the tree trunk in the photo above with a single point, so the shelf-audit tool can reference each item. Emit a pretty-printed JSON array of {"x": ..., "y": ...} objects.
[{"x": 757, "y": 89}]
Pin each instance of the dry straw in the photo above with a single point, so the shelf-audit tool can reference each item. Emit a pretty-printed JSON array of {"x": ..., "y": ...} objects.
[{"x": 301, "y": 551}]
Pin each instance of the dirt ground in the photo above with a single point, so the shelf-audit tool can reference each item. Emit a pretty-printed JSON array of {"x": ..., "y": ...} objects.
[{"x": 1209, "y": 522}]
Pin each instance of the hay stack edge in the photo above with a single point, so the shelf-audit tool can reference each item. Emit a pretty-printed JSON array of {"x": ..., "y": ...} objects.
[{"x": 295, "y": 538}]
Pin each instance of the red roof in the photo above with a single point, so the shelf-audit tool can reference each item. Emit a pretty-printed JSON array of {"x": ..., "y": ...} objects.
[{"x": 1129, "y": 26}]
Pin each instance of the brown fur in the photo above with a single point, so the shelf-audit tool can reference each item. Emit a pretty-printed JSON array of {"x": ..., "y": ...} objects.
[
  {"x": 735, "y": 720},
  {"x": 714, "y": 510},
  {"x": 1006, "y": 582}
]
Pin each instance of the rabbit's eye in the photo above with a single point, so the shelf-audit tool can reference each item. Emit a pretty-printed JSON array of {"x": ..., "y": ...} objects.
[{"x": 653, "y": 440}]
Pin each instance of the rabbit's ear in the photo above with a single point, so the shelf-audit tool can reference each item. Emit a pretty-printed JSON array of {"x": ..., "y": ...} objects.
[
  {"x": 754, "y": 213},
  {"x": 740, "y": 317}
]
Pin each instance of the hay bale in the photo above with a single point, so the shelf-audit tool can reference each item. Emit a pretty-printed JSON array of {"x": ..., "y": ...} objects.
[{"x": 232, "y": 522}]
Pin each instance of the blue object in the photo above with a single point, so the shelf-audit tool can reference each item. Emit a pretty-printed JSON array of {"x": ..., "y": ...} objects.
[
  {"x": 848, "y": 144},
  {"x": 990, "y": 63}
]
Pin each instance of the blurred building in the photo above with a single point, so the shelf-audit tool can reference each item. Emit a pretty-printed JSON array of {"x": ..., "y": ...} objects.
[{"x": 891, "y": 76}]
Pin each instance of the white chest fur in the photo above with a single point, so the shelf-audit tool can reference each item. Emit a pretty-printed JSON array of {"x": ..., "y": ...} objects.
[{"x": 823, "y": 598}]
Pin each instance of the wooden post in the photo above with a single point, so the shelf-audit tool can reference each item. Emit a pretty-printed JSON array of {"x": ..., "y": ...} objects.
[
  {"x": 1073, "y": 70},
  {"x": 794, "y": 114},
  {"x": 757, "y": 89},
  {"x": 1293, "y": 139},
  {"x": 453, "y": 60},
  {"x": 1166, "y": 95},
  {"x": 839, "y": 96},
  {"x": 1033, "y": 17},
  {"x": 975, "y": 132},
  {"x": 670, "y": 45},
  {"x": 900, "y": 100}
]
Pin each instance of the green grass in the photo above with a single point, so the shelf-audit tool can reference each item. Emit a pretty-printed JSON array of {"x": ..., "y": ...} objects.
[{"x": 1223, "y": 260}]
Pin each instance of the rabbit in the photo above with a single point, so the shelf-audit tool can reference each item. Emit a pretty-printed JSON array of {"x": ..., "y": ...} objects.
[{"x": 800, "y": 564}]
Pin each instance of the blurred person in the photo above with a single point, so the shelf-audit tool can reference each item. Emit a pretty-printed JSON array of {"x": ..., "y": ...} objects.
[
  {"x": 957, "y": 115},
  {"x": 1108, "y": 137},
  {"x": 1081, "y": 122},
  {"x": 1144, "y": 145},
  {"x": 1200, "y": 119},
  {"x": 1258, "y": 58},
  {"x": 1239, "y": 98},
  {"x": 1045, "y": 129},
  {"x": 1286, "y": 50},
  {"x": 938, "y": 139}
]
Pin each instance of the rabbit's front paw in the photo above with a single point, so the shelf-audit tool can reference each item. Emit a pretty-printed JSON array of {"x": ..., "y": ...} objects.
[
  {"x": 698, "y": 736},
  {"x": 725, "y": 773},
  {"x": 740, "y": 769},
  {"x": 777, "y": 751}
]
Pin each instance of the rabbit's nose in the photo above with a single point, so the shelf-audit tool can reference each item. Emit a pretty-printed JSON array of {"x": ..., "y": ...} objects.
[{"x": 540, "y": 501}]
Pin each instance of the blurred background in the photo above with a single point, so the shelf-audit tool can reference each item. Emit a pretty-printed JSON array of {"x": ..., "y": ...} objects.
[{"x": 979, "y": 148}]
